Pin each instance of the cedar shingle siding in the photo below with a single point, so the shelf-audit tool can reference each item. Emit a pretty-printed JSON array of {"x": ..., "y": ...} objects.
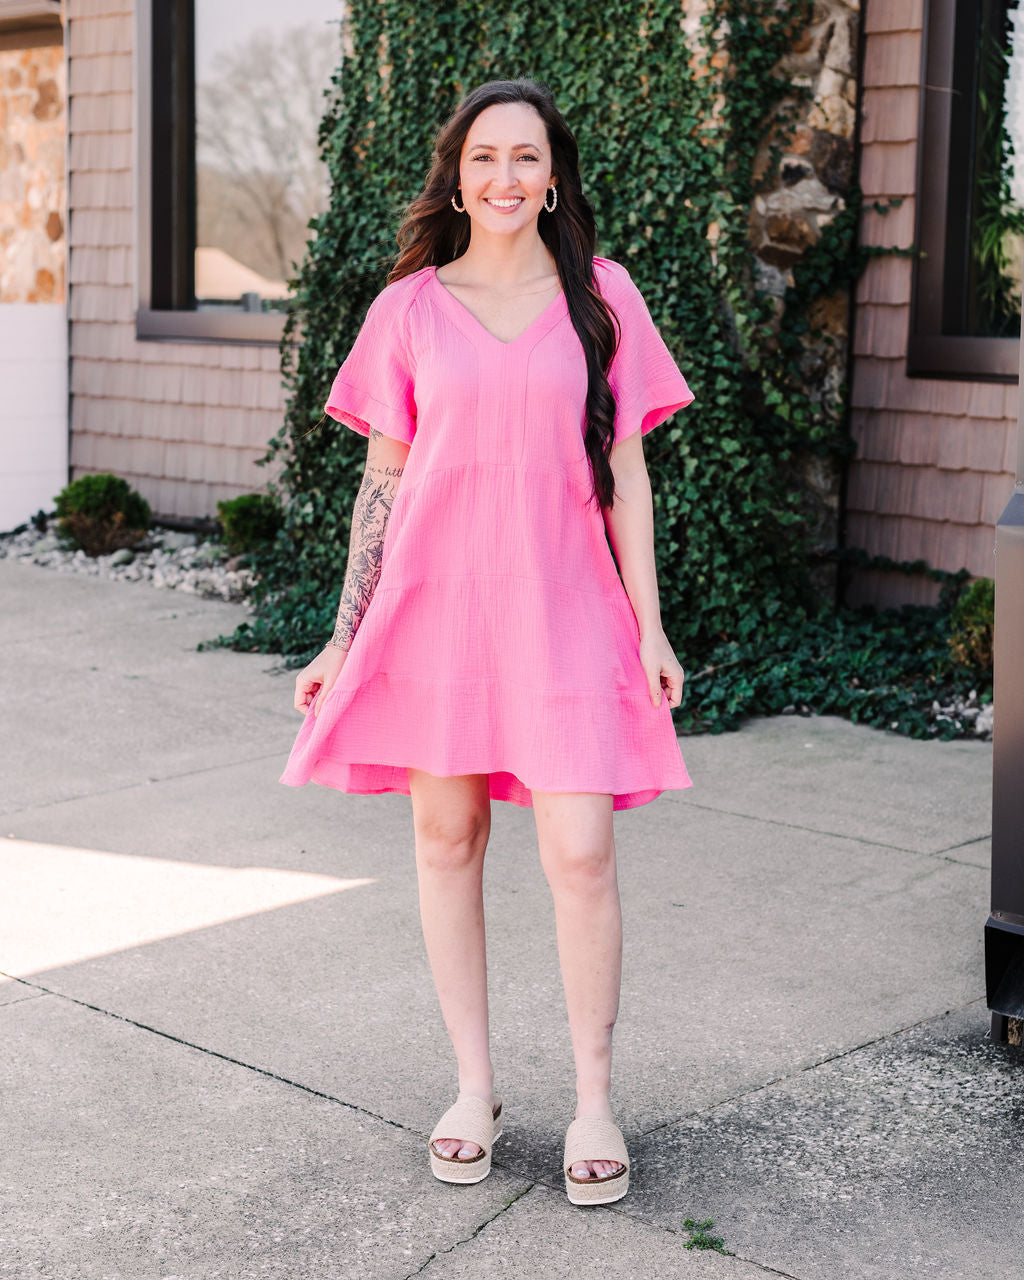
[
  {"x": 934, "y": 464},
  {"x": 184, "y": 422}
]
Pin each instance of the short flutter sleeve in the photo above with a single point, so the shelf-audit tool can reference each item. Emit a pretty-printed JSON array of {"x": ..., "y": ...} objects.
[
  {"x": 644, "y": 378},
  {"x": 374, "y": 387}
]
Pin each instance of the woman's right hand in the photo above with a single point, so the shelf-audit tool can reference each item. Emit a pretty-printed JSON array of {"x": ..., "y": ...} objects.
[{"x": 315, "y": 681}]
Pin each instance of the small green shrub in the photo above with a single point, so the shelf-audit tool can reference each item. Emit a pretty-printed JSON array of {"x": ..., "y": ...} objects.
[
  {"x": 250, "y": 521},
  {"x": 970, "y": 640},
  {"x": 99, "y": 513}
]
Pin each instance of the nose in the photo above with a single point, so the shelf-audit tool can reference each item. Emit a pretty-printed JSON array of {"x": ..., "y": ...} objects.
[{"x": 503, "y": 175}]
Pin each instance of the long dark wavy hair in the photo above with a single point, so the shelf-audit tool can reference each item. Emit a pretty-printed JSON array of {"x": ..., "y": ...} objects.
[{"x": 433, "y": 233}]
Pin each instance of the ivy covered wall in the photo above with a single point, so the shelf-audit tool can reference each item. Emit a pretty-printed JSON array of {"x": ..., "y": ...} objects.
[
  {"x": 717, "y": 141},
  {"x": 697, "y": 149}
]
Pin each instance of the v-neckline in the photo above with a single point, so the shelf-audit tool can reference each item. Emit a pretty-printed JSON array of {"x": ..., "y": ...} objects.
[{"x": 462, "y": 311}]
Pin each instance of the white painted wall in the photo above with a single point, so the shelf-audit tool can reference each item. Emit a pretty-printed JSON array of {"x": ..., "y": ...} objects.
[{"x": 33, "y": 408}]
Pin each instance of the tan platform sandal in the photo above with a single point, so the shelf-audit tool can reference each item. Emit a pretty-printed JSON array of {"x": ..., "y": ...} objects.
[
  {"x": 471, "y": 1120},
  {"x": 591, "y": 1138}
]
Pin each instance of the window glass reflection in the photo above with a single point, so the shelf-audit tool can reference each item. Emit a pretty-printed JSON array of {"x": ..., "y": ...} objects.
[
  {"x": 992, "y": 298},
  {"x": 261, "y": 70}
]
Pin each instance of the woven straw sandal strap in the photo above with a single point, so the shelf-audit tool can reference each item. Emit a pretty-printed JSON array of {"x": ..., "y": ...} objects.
[
  {"x": 591, "y": 1138},
  {"x": 469, "y": 1119}
]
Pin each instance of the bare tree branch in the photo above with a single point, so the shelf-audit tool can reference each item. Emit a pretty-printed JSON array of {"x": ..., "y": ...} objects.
[{"x": 260, "y": 179}]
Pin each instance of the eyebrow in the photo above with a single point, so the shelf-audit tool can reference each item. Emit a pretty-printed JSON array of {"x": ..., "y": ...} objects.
[{"x": 487, "y": 146}]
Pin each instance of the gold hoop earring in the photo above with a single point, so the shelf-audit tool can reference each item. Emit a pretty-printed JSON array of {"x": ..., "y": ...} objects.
[
  {"x": 554, "y": 203},
  {"x": 456, "y": 207}
]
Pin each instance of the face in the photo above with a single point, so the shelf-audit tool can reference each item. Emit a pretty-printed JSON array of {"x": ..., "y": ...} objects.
[{"x": 505, "y": 167}]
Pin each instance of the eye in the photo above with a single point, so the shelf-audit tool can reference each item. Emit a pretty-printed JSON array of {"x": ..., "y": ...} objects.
[
  {"x": 482, "y": 156},
  {"x": 529, "y": 157}
]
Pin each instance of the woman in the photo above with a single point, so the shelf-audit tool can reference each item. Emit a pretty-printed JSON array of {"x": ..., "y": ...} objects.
[{"x": 485, "y": 645}]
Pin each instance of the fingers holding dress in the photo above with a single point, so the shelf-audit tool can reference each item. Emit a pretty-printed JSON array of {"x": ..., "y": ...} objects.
[
  {"x": 662, "y": 669},
  {"x": 672, "y": 683},
  {"x": 315, "y": 681}
]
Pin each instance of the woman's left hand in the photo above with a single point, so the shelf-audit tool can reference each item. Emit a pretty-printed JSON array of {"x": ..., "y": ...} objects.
[{"x": 662, "y": 669}]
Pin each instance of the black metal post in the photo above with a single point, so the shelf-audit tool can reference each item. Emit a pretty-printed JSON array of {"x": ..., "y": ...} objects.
[{"x": 1004, "y": 930}]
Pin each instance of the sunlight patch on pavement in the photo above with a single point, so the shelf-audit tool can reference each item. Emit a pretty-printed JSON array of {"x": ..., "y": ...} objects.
[{"x": 59, "y": 904}]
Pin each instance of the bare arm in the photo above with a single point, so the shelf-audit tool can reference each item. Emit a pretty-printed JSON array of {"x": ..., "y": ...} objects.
[
  {"x": 630, "y": 525},
  {"x": 385, "y": 464}
]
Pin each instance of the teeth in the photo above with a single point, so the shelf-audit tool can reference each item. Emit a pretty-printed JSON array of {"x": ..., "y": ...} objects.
[{"x": 506, "y": 204}]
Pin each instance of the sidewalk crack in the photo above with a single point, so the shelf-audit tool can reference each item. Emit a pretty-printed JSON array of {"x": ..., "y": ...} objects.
[
  {"x": 811, "y": 1066},
  {"x": 34, "y": 995},
  {"x": 213, "y": 1053},
  {"x": 621, "y": 1209},
  {"x": 942, "y": 854},
  {"x": 474, "y": 1233},
  {"x": 964, "y": 844},
  {"x": 137, "y": 784}
]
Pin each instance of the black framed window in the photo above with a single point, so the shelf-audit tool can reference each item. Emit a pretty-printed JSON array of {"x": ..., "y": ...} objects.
[
  {"x": 230, "y": 101},
  {"x": 966, "y": 301},
  {"x": 30, "y": 24}
]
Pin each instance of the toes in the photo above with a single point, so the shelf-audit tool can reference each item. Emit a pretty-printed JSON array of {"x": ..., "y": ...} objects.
[
  {"x": 454, "y": 1148},
  {"x": 595, "y": 1169}
]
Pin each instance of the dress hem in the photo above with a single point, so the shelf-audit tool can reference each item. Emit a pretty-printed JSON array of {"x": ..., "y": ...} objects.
[{"x": 503, "y": 784}]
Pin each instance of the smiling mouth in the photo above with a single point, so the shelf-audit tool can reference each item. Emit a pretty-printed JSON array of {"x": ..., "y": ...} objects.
[{"x": 511, "y": 203}]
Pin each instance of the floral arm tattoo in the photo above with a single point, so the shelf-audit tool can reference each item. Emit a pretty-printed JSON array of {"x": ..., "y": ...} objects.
[{"x": 366, "y": 546}]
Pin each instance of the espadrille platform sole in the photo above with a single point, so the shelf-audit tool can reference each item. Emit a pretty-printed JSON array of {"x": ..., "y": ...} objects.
[
  {"x": 591, "y": 1138},
  {"x": 472, "y": 1120}
]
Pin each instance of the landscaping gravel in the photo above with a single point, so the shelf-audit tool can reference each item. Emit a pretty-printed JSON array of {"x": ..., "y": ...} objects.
[
  {"x": 967, "y": 711},
  {"x": 200, "y": 565},
  {"x": 168, "y": 558}
]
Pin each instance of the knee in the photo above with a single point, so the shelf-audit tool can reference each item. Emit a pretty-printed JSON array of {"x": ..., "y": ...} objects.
[
  {"x": 581, "y": 867},
  {"x": 451, "y": 842}
]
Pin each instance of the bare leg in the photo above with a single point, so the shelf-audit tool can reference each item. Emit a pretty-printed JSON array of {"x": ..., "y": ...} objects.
[
  {"x": 452, "y": 822},
  {"x": 577, "y": 851}
]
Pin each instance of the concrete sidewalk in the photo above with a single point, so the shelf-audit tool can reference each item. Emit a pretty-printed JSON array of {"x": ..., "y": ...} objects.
[{"x": 220, "y": 1047}]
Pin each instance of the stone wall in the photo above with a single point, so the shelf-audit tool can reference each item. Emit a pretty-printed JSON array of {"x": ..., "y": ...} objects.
[
  {"x": 817, "y": 165},
  {"x": 32, "y": 191},
  {"x": 807, "y": 189}
]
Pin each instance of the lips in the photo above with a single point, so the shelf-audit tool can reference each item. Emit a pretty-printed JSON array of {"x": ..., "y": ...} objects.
[{"x": 512, "y": 202}]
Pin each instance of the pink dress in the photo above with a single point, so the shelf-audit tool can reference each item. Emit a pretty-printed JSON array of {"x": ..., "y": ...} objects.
[{"x": 499, "y": 638}]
